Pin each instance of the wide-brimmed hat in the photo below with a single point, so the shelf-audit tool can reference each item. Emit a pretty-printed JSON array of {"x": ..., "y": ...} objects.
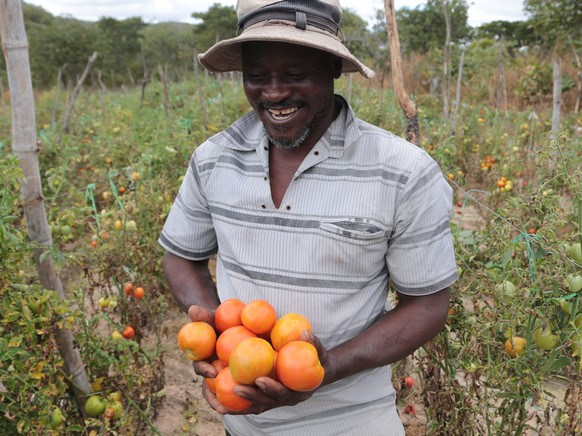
[{"x": 310, "y": 23}]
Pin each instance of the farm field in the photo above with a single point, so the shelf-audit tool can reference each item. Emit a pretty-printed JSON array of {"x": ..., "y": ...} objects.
[{"x": 509, "y": 361}]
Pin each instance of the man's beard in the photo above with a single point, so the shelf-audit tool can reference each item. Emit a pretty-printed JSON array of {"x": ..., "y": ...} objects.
[
  {"x": 296, "y": 142},
  {"x": 289, "y": 144}
]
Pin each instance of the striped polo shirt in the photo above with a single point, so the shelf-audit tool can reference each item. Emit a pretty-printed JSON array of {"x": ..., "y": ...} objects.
[{"x": 365, "y": 210}]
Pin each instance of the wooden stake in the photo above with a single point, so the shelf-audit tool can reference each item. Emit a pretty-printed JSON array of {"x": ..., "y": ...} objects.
[
  {"x": 408, "y": 106},
  {"x": 24, "y": 145}
]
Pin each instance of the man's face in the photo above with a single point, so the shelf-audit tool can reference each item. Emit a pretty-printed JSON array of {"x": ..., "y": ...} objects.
[{"x": 291, "y": 89}]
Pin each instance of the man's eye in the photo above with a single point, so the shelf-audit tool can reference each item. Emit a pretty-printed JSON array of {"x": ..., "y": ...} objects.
[
  {"x": 256, "y": 77},
  {"x": 295, "y": 76}
]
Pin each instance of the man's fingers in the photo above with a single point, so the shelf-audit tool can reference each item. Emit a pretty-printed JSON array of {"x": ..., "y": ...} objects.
[{"x": 197, "y": 313}]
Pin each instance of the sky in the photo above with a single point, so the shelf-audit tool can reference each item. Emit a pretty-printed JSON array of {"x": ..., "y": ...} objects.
[{"x": 155, "y": 11}]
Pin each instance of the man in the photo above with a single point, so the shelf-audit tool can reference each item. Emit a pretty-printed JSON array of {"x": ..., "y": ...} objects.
[{"x": 315, "y": 211}]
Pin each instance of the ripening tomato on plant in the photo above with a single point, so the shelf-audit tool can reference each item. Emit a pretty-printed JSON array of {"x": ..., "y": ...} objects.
[
  {"x": 128, "y": 332},
  {"x": 515, "y": 346},
  {"x": 197, "y": 340}
]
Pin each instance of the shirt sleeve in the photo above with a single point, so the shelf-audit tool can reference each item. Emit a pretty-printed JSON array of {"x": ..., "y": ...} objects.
[
  {"x": 420, "y": 256},
  {"x": 188, "y": 231}
]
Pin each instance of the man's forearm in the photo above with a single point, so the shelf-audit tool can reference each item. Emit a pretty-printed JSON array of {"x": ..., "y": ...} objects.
[
  {"x": 190, "y": 282},
  {"x": 395, "y": 335}
]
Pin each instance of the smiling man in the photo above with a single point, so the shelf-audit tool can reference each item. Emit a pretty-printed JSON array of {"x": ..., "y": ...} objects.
[{"x": 319, "y": 213}]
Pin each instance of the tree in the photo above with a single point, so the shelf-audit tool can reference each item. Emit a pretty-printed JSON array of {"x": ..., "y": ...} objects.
[
  {"x": 514, "y": 33},
  {"x": 218, "y": 23},
  {"x": 119, "y": 47},
  {"x": 423, "y": 28}
]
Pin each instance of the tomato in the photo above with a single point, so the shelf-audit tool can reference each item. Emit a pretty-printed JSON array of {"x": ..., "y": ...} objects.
[
  {"x": 545, "y": 339},
  {"x": 117, "y": 408},
  {"x": 288, "y": 328},
  {"x": 515, "y": 346},
  {"x": 298, "y": 366},
  {"x": 197, "y": 340},
  {"x": 94, "y": 406},
  {"x": 225, "y": 385},
  {"x": 507, "y": 288},
  {"x": 573, "y": 282},
  {"x": 128, "y": 288},
  {"x": 128, "y": 332},
  {"x": 574, "y": 252},
  {"x": 259, "y": 316},
  {"x": 138, "y": 293},
  {"x": 250, "y": 359},
  {"x": 114, "y": 396},
  {"x": 56, "y": 418},
  {"x": 116, "y": 336},
  {"x": 228, "y": 314}
]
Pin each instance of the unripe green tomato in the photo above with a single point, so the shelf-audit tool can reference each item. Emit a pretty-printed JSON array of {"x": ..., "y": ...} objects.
[
  {"x": 94, "y": 406},
  {"x": 56, "y": 418},
  {"x": 545, "y": 339}
]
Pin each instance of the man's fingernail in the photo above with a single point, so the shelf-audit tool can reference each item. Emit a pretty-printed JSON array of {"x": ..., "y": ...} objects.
[{"x": 262, "y": 386}]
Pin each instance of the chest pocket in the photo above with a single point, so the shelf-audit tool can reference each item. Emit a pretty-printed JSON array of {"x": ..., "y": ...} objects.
[{"x": 355, "y": 229}]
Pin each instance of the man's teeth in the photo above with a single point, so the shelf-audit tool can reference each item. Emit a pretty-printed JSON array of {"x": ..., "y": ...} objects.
[{"x": 280, "y": 114}]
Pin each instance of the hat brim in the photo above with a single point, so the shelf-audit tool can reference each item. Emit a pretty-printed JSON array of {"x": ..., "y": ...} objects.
[{"x": 226, "y": 55}]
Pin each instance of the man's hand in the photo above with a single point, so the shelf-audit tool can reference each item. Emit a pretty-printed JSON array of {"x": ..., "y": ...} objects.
[{"x": 266, "y": 393}]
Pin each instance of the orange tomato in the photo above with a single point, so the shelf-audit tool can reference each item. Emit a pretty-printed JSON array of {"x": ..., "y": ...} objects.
[
  {"x": 515, "y": 346},
  {"x": 229, "y": 339},
  {"x": 197, "y": 340},
  {"x": 225, "y": 385},
  {"x": 228, "y": 314},
  {"x": 288, "y": 328},
  {"x": 128, "y": 332},
  {"x": 298, "y": 366},
  {"x": 258, "y": 316},
  {"x": 219, "y": 365},
  {"x": 128, "y": 288},
  {"x": 139, "y": 293},
  {"x": 252, "y": 358}
]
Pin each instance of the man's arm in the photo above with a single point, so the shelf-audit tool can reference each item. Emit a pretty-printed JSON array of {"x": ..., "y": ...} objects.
[
  {"x": 190, "y": 282},
  {"x": 398, "y": 333}
]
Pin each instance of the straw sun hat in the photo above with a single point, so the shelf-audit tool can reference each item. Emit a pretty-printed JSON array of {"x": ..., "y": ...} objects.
[{"x": 310, "y": 23}]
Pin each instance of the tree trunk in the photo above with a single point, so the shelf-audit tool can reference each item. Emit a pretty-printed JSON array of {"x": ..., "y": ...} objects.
[
  {"x": 557, "y": 96},
  {"x": 446, "y": 60},
  {"x": 77, "y": 90},
  {"x": 458, "y": 95},
  {"x": 408, "y": 106},
  {"x": 24, "y": 145}
]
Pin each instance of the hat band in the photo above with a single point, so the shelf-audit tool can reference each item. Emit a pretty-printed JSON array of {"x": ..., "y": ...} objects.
[{"x": 302, "y": 13}]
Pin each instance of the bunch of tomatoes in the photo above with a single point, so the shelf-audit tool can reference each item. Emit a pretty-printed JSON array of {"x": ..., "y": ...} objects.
[{"x": 249, "y": 341}]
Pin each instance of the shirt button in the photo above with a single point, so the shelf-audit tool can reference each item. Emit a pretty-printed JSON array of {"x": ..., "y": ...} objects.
[
  {"x": 266, "y": 148},
  {"x": 316, "y": 153},
  {"x": 264, "y": 206},
  {"x": 288, "y": 207},
  {"x": 266, "y": 178}
]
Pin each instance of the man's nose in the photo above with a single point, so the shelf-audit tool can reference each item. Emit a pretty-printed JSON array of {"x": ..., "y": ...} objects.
[{"x": 276, "y": 89}]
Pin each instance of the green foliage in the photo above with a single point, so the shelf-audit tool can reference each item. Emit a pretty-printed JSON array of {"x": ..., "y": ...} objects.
[
  {"x": 535, "y": 83},
  {"x": 218, "y": 23},
  {"x": 555, "y": 20},
  {"x": 423, "y": 28},
  {"x": 513, "y": 33}
]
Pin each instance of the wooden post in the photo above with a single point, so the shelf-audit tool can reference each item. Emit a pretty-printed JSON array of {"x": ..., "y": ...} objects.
[
  {"x": 446, "y": 60},
  {"x": 24, "y": 145},
  {"x": 77, "y": 90},
  {"x": 557, "y": 95},
  {"x": 408, "y": 106},
  {"x": 458, "y": 94}
]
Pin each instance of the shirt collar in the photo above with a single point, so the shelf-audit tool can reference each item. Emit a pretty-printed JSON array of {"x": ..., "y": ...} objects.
[{"x": 247, "y": 132}]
